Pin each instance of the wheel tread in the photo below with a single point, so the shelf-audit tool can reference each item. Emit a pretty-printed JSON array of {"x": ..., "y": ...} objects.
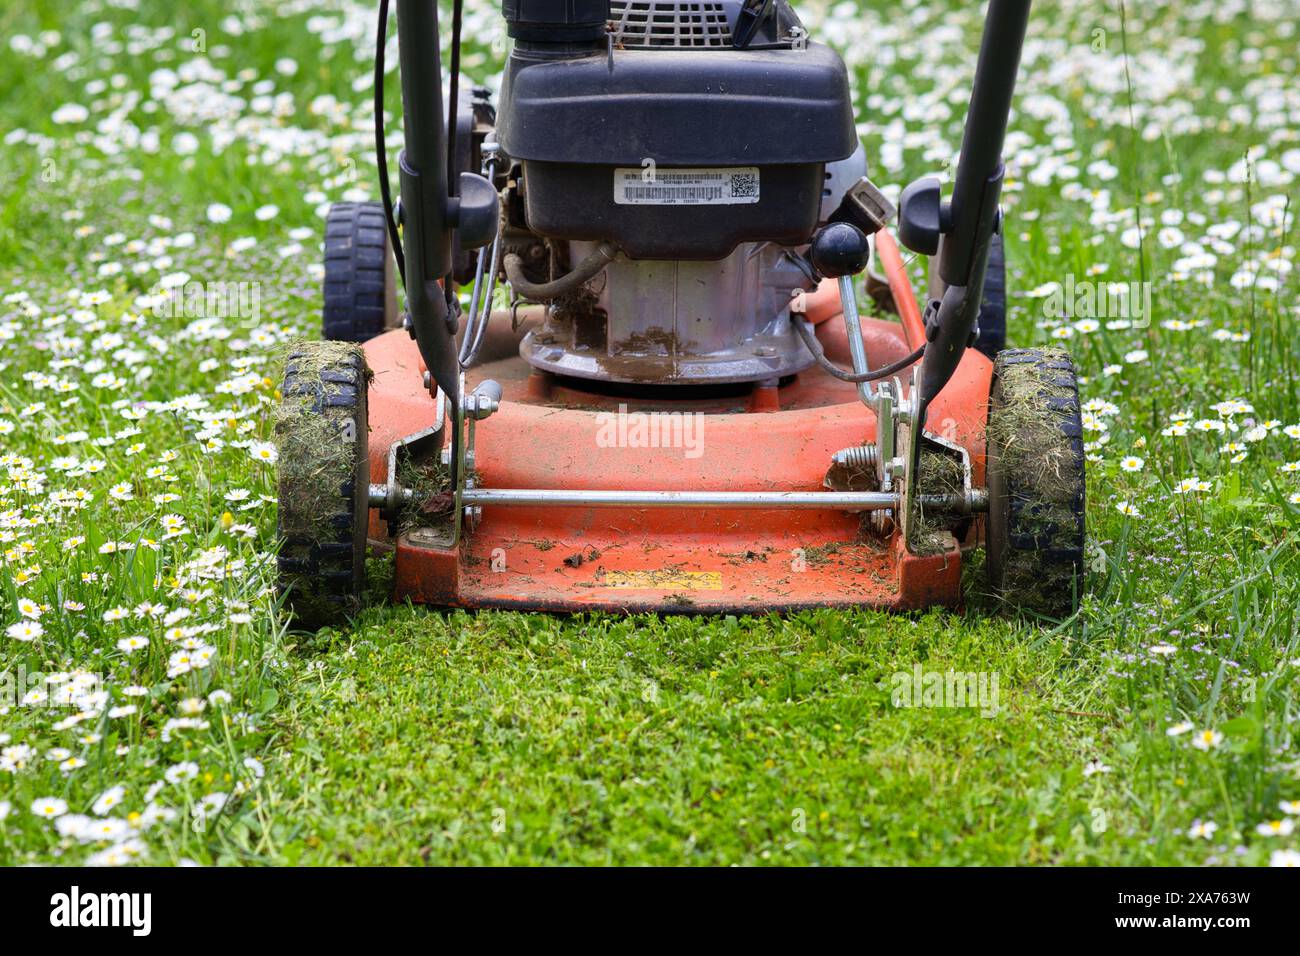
[
  {"x": 993, "y": 310},
  {"x": 1036, "y": 521},
  {"x": 359, "y": 297},
  {"x": 322, "y": 573}
]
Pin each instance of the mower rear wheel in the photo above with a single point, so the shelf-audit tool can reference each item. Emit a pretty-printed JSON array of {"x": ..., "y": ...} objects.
[
  {"x": 324, "y": 481},
  {"x": 360, "y": 287},
  {"x": 993, "y": 310},
  {"x": 1035, "y": 526}
]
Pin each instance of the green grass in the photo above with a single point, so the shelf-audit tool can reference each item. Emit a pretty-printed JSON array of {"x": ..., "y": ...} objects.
[
  {"x": 426, "y": 737},
  {"x": 512, "y": 738}
]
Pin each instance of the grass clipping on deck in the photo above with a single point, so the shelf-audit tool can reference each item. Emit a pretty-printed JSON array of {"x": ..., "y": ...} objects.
[
  {"x": 940, "y": 474},
  {"x": 431, "y": 503}
]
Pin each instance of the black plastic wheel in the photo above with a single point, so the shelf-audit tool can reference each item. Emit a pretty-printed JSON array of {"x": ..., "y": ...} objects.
[
  {"x": 993, "y": 309},
  {"x": 323, "y": 481},
  {"x": 1035, "y": 526},
  {"x": 360, "y": 287}
]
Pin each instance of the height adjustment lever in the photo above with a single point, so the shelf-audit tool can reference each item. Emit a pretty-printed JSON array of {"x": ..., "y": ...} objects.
[
  {"x": 475, "y": 212},
  {"x": 923, "y": 217}
]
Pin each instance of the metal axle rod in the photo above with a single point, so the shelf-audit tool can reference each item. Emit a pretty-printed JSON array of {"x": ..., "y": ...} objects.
[
  {"x": 976, "y": 501},
  {"x": 775, "y": 500}
]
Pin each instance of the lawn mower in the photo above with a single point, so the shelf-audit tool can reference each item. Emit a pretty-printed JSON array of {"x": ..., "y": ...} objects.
[{"x": 679, "y": 405}]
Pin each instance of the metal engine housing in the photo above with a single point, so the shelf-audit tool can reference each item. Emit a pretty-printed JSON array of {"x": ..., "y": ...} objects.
[{"x": 678, "y": 321}]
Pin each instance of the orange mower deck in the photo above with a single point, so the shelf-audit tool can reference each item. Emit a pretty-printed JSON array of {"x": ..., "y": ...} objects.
[{"x": 550, "y": 434}]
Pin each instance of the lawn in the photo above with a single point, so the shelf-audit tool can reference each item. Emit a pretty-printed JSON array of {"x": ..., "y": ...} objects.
[{"x": 156, "y": 706}]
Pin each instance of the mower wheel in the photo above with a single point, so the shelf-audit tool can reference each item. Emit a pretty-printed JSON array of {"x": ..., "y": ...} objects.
[
  {"x": 324, "y": 481},
  {"x": 360, "y": 288},
  {"x": 993, "y": 310},
  {"x": 1035, "y": 463}
]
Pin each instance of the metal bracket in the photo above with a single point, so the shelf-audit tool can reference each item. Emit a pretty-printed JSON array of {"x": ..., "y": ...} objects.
[
  {"x": 390, "y": 496},
  {"x": 885, "y": 399},
  {"x": 475, "y": 406}
]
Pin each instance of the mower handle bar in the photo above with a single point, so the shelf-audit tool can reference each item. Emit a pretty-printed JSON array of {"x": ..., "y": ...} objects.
[
  {"x": 986, "y": 129},
  {"x": 970, "y": 219}
]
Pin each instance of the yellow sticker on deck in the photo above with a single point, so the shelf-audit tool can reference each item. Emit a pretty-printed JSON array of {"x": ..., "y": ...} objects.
[{"x": 664, "y": 580}]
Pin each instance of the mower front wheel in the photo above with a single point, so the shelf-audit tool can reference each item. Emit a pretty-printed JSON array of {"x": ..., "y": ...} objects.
[
  {"x": 323, "y": 482},
  {"x": 1035, "y": 464}
]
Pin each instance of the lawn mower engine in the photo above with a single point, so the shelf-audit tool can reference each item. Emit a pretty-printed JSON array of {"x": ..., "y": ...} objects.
[
  {"x": 661, "y": 417},
  {"x": 622, "y": 144}
]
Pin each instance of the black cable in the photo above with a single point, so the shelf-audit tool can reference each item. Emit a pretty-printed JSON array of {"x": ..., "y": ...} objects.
[
  {"x": 449, "y": 285},
  {"x": 815, "y": 347},
  {"x": 381, "y": 151},
  {"x": 584, "y": 271},
  {"x": 454, "y": 97}
]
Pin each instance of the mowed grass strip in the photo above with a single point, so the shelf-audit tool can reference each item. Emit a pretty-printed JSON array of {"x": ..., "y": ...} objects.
[{"x": 506, "y": 738}]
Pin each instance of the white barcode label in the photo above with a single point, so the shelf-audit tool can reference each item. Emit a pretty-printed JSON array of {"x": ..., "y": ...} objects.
[{"x": 686, "y": 187}]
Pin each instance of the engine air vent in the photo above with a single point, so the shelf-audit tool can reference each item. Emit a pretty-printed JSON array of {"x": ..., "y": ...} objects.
[{"x": 637, "y": 24}]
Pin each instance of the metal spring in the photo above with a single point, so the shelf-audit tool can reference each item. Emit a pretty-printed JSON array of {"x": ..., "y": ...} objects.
[{"x": 859, "y": 456}]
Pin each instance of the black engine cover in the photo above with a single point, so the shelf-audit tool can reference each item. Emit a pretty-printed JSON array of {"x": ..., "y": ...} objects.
[{"x": 772, "y": 117}]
